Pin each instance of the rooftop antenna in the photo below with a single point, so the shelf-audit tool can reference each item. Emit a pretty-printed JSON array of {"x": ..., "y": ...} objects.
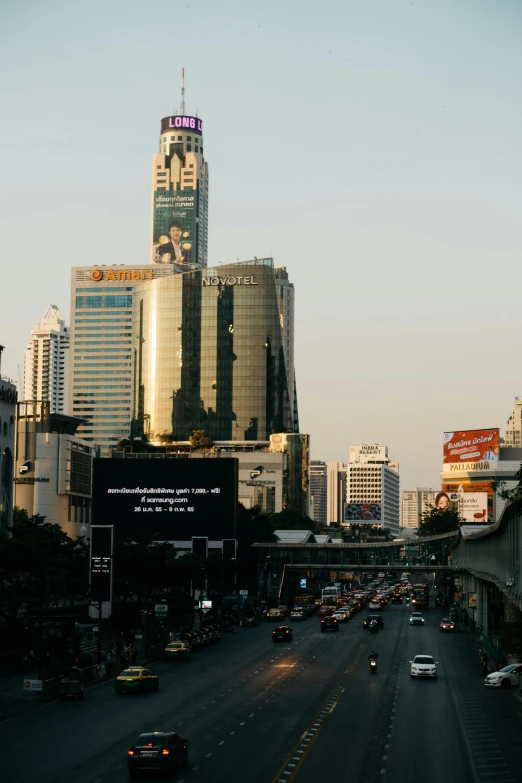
[{"x": 182, "y": 105}]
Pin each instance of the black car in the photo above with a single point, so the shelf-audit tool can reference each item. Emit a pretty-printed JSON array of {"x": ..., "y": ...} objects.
[
  {"x": 282, "y": 634},
  {"x": 377, "y": 618},
  {"x": 157, "y": 750},
  {"x": 396, "y": 598},
  {"x": 329, "y": 624},
  {"x": 191, "y": 638}
]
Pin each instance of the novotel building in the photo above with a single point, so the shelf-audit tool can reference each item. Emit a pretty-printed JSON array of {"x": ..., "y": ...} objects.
[{"x": 212, "y": 351}]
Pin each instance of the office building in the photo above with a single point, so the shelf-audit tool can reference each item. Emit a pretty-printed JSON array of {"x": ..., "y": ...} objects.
[
  {"x": 513, "y": 432},
  {"x": 335, "y": 492},
  {"x": 286, "y": 300},
  {"x": 372, "y": 488},
  {"x": 46, "y": 361},
  {"x": 414, "y": 504},
  {"x": 101, "y": 356},
  {"x": 180, "y": 193},
  {"x": 53, "y": 467},
  {"x": 318, "y": 490},
  {"x": 209, "y": 355},
  {"x": 8, "y": 399}
]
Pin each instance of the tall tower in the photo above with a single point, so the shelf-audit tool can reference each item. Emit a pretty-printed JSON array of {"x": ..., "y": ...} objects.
[
  {"x": 180, "y": 192},
  {"x": 46, "y": 361}
]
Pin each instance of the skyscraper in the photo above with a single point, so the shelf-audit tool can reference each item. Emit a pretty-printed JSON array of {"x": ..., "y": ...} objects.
[
  {"x": 513, "y": 433},
  {"x": 46, "y": 361},
  {"x": 180, "y": 192},
  {"x": 101, "y": 365},
  {"x": 318, "y": 489},
  {"x": 414, "y": 504},
  {"x": 209, "y": 355}
]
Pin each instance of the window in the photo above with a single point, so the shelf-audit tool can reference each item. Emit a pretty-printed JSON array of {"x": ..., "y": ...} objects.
[
  {"x": 103, "y": 301},
  {"x": 97, "y": 290}
]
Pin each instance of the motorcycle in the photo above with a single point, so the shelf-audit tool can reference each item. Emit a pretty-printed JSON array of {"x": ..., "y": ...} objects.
[{"x": 373, "y": 666}]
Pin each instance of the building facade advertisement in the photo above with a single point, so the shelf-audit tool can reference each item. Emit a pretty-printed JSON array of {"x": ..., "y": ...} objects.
[
  {"x": 365, "y": 452},
  {"x": 174, "y": 227},
  {"x": 455, "y": 490},
  {"x": 470, "y": 446},
  {"x": 362, "y": 512},
  {"x": 473, "y": 506},
  {"x": 472, "y": 600}
]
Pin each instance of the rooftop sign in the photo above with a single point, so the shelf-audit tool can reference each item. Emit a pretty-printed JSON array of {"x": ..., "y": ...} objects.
[{"x": 177, "y": 122}]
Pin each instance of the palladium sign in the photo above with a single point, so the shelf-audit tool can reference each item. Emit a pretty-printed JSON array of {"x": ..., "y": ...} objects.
[{"x": 239, "y": 280}]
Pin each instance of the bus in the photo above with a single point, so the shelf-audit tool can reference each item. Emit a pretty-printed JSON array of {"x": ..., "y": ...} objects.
[
  {"x": 330, "y": 593},
  {"x": 420, "y": 595}
]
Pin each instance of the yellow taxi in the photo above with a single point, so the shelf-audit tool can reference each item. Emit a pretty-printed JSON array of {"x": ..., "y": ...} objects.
[
  {"x": 136, "y": 679},
  {"x": 177, "y": 651}
]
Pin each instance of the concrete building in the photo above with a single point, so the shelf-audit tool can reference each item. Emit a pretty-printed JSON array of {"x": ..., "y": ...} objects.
[
  {"x": 513, "y": 432},
  {"x": 272, "y": 474},
  {"x": 414, "y": 504},
  {"x": 180, "y": 193},
  {"x": 372, "y": 489},
  {"x": 286, "y": 299},
  {"x": 53, "y": 474},
  {"x": 101, "y": 355},
  {"x": 8, "y": 399},
  {"x": 46, "y": 361},
  {"x": 335, "y": 492},
  {"x": 318, "y": 490}
]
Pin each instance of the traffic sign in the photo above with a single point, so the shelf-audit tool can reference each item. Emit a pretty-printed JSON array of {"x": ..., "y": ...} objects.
[
  {"x": 243, "y": 592},
  {"x": 33, "y": 685},
  {"x": 161, "y": 609}
]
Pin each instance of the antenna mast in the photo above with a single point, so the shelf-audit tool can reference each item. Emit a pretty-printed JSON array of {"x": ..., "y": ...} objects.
[{"x": 182, "y": 106}]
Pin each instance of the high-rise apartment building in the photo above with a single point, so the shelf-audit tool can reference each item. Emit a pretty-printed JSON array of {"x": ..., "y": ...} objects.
[
  {"x": 101, "y": 368},
  {"x": 209, "y": 354},
  {"x": 8, "y": 399},
  {"x": 414, "y": 504},
  {"x": 335, "y": 492},
  {"x": 46, "y": 361},
  {"x": 372, "y": 488},
  {"x": 318, "y": 490},
  {"x": 513, "y": 433},
  {"x": 180, "y": 193}
]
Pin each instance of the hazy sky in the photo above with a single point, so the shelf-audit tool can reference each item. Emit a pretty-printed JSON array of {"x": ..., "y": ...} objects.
[{"x": 372, "y": 147}]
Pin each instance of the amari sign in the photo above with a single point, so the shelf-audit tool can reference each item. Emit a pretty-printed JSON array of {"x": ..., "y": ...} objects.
[{"x": 238, "y": 280}]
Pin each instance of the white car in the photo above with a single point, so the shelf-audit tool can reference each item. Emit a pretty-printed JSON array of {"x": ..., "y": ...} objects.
[
  {"x": 375, "y": 606},
  {"x": 424, "y": 666},
  {"x": 341, "y": 617},
  {"x": 506, "y": 677},
  {"x": 416, "y": 618}
]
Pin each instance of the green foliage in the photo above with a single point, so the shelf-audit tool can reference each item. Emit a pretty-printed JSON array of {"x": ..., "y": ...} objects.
[
  {"x": 199, "y": 439},
  {"x": 438, "y": 520},
  {"x": 39, "y": 566},
  {"x": 292, "y": 520},
  {"x": 513, "y": 496}
]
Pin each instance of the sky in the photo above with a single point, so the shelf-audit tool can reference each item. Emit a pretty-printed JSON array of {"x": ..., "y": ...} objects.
[{"x": 371, "y": 147}]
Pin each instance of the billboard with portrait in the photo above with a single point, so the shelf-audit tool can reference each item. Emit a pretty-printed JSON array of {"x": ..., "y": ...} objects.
[
  {"x": 466, "y": 446},
  {"x": 365, "y": 513},
  {"x": 167, "y": 499},
  {"x": 174, "y": 227}
]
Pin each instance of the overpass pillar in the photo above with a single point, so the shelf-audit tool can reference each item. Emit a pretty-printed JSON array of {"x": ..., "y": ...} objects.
[{"x": 512, "y": 632}]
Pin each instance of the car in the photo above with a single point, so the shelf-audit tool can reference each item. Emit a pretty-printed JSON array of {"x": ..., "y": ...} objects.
[
  {"x": 283, "y": 608},
  {"x": 325, "y": 611},
  {"x": 341, "y": 616},
  {"x": 424, "y": 666},
  {"x": 377, "y": 617},
  {"x": 329, "y": 624},
  {"x": 447, "y": 625},
  {"x": 157, "y": 750},
  {"x": 416, "y": 618},
  {"x": 375, "y": 606},
  {"x": 396, "y": 598},
  {"x": 191, "y": 638},
  {"x": 216, "y": 633},
  {"x": 136, "y": 679},
  {"x": 274, "y": 615},
  {"x": 505, "y": 678},
  {"x": 297, "y": 614},
  {"x": 177, "y": 651},
  {"x": 282, "y": 634}
]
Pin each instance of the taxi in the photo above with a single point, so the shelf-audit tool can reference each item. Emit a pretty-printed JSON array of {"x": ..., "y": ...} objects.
[
  {"x": 177, "y": 651},
  {"x": 136, "y": 679},
  {"x": 274, "y": 615}
]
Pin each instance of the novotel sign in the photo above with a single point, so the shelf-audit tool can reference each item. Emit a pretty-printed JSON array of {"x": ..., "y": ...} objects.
[
  {"x": 193, "y": 124},
  {"x": 238, "y": 280}
]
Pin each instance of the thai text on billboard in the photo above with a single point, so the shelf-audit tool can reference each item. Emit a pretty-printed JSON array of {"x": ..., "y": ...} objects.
[
  {"x": 368, "y": 513},
  {"x": 454, "y": 490},
  {"x": 174, "y": 227},
  {"x": 470, "y": 446}
]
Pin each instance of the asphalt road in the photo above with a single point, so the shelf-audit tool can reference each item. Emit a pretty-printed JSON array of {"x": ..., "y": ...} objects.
[{"x": 306, "y": 711}]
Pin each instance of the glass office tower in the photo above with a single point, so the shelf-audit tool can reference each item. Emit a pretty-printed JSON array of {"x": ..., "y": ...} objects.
[{"x": 209, "y": 354}]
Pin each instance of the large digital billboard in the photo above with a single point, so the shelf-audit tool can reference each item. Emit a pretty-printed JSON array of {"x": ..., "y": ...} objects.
[
  {"x": 174, "y": 227},
  {"x": 454, "y": 490},
  {"x": 368, "y": 513},
  {"x": 470, "y": 446},
  {"x": 168, "y": 499}
]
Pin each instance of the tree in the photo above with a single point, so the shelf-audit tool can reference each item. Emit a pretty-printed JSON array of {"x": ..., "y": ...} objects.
[
  {"x": 439, "y": 520},
  {"x": 292, "y": 520},
  {"x": 513, "y": 496},
  {"x": 199, "y": 439}
]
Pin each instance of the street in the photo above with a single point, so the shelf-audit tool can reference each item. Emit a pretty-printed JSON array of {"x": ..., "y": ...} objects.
[{"x": 307, "y": 710}]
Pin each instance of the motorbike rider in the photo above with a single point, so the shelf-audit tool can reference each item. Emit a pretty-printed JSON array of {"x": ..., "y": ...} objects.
[{"x": 373, "y": 656}]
